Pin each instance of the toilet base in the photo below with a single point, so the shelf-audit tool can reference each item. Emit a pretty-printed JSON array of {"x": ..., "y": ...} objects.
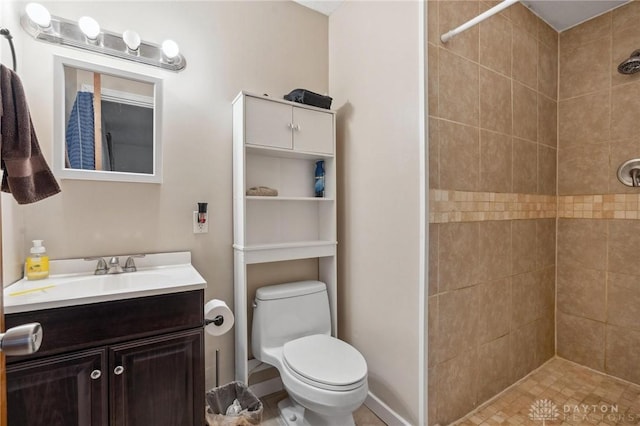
[{"x": 292, "y": 414}]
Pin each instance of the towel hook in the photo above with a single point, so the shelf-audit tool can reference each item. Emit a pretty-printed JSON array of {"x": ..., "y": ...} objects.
[{"x": 7, "y": 34}]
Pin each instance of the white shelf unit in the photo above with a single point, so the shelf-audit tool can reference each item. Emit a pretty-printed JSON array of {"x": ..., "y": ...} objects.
[{"x": 276, "y": 143}]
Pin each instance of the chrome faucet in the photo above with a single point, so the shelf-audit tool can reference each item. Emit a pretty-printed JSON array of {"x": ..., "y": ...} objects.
[
  {"x": 101, "y": 266},
  {"x": 114, "y": 266}
]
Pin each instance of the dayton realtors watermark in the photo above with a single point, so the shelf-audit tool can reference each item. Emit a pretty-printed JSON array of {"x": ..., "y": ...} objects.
[{"x": 545, "y": 410}]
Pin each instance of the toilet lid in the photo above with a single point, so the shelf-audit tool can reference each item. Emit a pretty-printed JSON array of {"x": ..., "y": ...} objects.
[{"x": 325, "y": 360}]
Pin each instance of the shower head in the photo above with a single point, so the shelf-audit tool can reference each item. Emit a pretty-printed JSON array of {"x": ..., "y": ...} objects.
[{"x": 631, "y": 65}]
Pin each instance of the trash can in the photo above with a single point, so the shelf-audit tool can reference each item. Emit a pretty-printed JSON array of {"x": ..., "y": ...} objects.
[{"x": 233, "y": 404}]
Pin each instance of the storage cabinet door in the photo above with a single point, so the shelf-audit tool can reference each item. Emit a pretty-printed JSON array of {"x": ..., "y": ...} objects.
[
  {"x": 158, "y": 381},
  {"x": 313, "y": 131},
  {"x": 268, "y": 123},
  {"x": 68, "y": 390}
]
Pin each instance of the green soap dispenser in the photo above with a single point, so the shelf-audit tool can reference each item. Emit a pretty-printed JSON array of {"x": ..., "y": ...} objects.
[{"x": 37, "y": 264}]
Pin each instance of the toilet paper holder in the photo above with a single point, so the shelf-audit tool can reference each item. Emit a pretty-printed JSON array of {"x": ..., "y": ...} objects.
[{"x": 218, "y": 320}]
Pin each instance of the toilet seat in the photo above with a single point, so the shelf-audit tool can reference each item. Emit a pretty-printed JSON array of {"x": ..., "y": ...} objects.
[{"x": 325, "y": 362}]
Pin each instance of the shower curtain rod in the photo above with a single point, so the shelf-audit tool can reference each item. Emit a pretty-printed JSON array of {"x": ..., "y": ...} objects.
[{"x": 475, "y": 21}]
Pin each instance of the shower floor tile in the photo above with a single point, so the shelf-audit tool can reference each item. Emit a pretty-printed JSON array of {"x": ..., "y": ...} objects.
[{"x": 561, "y": 393}]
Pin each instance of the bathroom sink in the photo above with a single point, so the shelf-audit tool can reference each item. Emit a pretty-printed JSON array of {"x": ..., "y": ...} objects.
[{"x": 72, "y": 282}]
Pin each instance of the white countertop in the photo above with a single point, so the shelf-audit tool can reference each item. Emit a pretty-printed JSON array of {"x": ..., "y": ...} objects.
[{"x": 72, "y": 282}]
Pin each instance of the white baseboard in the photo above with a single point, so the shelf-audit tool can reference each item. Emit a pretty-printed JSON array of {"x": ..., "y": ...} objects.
[
  {"x": 383, "y": 411},
  {"x": 267, "y": 387}
]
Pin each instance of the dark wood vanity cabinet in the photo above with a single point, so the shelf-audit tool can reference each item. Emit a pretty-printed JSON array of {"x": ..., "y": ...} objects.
[{"x": 151, "y": 372}]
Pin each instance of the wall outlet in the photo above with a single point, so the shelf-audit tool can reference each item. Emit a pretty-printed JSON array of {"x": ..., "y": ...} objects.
[{"x": 200, "y": 228}]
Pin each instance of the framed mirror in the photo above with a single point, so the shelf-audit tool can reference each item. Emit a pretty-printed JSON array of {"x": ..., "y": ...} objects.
[{"x": 106, "y": 123}]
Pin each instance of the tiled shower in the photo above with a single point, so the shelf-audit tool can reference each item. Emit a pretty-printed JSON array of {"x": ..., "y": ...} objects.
[{"x": 533, "y": 241}]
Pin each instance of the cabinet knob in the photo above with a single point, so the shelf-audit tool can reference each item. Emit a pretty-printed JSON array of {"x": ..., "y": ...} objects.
[
  {"x": 290, "y": 125},
  {"x": 95, "y": 374},
  {"x": 297, "y": 127},
  {"x": 118, "y": 370}
]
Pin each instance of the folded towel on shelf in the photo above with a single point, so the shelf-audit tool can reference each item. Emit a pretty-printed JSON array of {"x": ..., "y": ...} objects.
[
  {"x": 263, "y": 191},
  {"x": 26, "y": 173}
]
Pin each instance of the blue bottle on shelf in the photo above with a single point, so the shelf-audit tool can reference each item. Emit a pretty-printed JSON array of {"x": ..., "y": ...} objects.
[{"x": 319, "y": 184}]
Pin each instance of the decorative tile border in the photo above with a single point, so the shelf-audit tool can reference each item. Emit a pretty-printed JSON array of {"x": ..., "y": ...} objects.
[
  {"x": 461, "y": 206},
  {"x": 609, "y": 206}
]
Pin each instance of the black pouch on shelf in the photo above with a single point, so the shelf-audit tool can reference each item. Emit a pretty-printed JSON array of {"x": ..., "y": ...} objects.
[{"x": 304, "y": 96}]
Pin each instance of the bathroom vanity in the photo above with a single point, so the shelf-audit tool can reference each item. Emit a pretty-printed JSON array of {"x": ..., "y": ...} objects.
[{"x": 126, "y": 361}]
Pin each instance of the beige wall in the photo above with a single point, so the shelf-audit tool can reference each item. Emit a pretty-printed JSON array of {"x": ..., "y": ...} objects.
[
  {"x": 492, "y": 153},
  {"x": 264, "y": 47},
  {"x": 374, "y": 76},
  {"x": 598, "y": 296}
]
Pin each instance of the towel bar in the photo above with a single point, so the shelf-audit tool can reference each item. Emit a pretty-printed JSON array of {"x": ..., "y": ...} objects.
[{"x": 7, "y": 34}]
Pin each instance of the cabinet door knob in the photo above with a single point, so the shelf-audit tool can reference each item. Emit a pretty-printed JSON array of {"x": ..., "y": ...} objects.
[
  {"x": 297, "y": 127},
  {"x": 118, "y": 370},
  {"x": 95, "y": 374},
  {"x": 290, "y": 125}
]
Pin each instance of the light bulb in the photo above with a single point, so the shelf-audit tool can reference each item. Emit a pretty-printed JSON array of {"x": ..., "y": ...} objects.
[
  {"x": 38, "y": 14},
  {"x": 131, "y": 39},
  {"x": 89, "y": 27},
  {"x": 170, "y": 49}
]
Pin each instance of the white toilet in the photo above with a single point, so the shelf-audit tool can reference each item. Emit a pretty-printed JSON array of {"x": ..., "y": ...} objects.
[{"x": 326, "y": 378}]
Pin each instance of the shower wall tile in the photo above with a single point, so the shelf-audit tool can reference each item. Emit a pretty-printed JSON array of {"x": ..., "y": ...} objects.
[
  {"x": 434, "y": 232},
  {"x": 495, "y": 250},
  {"x": 456, "y": 383},
  {"x": 458, "y": 255},
  {"x": 496, "y": 160},
  {"x": 524, "y": 19},
  {"x": 494, "y": 322},
  {"x": 545, "y": 339},
  {"x": 434, "y": 153},
  {"x": 458, "y": 92},
  {"x": 624, "y": 237},
  {"x": 625, "y": 109},
  {"x": 584, "y": 120},
  {"x": 457, "y": 333},
  {"x": 433, "y": 330},
  {"x": 523, "y": 246},
  {"x": 525, "y": 114},
  {"x": 450, "y": 15},
  {"x": 459, "y": 160},
  {"x": 548, "y": 70},
  {"x": 433, "y": 35},
  {"x": 495, "y": 102},
  {"x": 522, "y": 351},
  {"x": 583, "y": 169},
  {"x": 495, "y": 44},
  {"x": 525, "y": 60},
  {"x": 592, "y": 30},
  {"x": 547, "y": 35},
  {"x": 582, "y": 292},
  {"x": 493, "y": 377},
  {"x": 623, "y": 347},
  {"x": 626, "y": 16},
  {"x": 623, "y": 300},
  {"x": 585, "y": 68},
  {"x": 545, "y": 242},
  {"x": 547, "y": 121},
  {"x": 525, "y": 164},
  {"x": 433, "y": 81},
  {"x": 525, "y": 298},
  {"x": 581, "y": 340},
  {"x": 582, "y": 243},
  {"x": 547, "y": 162}
]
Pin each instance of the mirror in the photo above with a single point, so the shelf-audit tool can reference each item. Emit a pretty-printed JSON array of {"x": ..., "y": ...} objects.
[{"x": 107, "y": 123}]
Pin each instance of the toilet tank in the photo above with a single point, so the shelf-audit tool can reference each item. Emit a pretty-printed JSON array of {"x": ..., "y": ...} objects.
[{"x": 285, "y": 312}]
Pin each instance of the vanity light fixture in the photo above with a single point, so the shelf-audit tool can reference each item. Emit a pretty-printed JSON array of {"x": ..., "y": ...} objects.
[
  {"x": 170, "y": 49},
  {"x": 132, "y": 40},
  {"x": 89, "y": 27},
  {"x": 86, "y": 34}
]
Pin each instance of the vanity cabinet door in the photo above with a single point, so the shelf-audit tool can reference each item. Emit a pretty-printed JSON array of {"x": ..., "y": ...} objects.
[
  {"x": 158, "y": 381},
  {"x": 67, "y": 390}
]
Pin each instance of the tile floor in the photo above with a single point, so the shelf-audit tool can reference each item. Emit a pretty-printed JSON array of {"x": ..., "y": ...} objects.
[
  {"x": 561, "y": 393},
  {"x": 363, "y": 416}
]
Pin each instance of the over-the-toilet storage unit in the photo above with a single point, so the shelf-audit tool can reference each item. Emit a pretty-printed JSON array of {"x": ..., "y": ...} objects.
[{"x": 276, "y": 143}]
